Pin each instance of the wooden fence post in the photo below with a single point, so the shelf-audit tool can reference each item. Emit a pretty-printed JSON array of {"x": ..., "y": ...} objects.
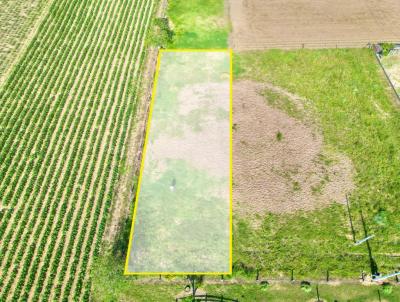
[{"x": 318, "y": 294}]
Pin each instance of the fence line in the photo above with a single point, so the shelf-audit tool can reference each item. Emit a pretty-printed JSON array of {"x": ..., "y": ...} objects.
[
  {"x": 262, "y": 45},
  {"x": 207, "y": 298}
]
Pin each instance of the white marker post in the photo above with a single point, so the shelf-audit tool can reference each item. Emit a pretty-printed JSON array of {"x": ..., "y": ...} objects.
[
  {"x": 385, "y": 277},
  {"x": 363, "y": 240}
]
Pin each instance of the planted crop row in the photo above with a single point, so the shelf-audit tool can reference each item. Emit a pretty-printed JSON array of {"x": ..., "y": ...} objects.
[{"x": 63, "y": 129}]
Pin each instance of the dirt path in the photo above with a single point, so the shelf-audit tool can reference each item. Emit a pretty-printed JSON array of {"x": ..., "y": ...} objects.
[{"x": 260, "y": 24}]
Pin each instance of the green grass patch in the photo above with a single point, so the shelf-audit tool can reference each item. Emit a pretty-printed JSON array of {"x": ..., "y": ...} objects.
[
  {"x": 288, "y": 292},
  {"x": 108, "y": 284},
  {"x": 279, "y": 101},
  {"x": 356, "y": 113},
  {"x": 198, "y": 24},
  {"x": 358, "y": 117}
]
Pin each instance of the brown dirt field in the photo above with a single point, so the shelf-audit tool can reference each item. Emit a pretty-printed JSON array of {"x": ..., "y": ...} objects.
[
  {"x": 295, "y": 172},
  {"x": 259, "y": 24}
]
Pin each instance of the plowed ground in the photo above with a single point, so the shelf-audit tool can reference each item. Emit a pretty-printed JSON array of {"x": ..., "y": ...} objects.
[{"x": 259, "y": 24}]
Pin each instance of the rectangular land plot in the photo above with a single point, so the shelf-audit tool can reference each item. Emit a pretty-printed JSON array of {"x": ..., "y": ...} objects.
[
  {"x": 262, "y": 24},
  {"x": 182, "y": 217}
]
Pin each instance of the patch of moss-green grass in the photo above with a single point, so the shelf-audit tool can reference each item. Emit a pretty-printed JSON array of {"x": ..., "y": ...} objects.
[
  {"x": 198, "y": 24},
  {"x": 279, "y": 101}
]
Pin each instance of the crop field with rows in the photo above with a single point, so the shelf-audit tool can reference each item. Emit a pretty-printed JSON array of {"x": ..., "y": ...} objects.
[
  {"x": 64, "y": 116},
  {"x": 18, "y": 22}
]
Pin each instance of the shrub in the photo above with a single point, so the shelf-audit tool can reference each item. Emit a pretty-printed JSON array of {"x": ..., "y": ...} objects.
[
  {"x": 381, "y": 217},
  {"x": 162, "y": 34},
  {"x": 305, "y": 286},
  {"x": 279, "y": 136},
  {"x": 264, "y": 285},
  {"x": 387, "y": 288},
  {"x": 386, "y": 48}
]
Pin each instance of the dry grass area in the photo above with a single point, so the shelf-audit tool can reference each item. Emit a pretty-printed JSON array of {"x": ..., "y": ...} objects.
[
  {"x": 280, "y": 163},
  {"x": 259, "y": 24},
  {"x": 18, "y": 23}
]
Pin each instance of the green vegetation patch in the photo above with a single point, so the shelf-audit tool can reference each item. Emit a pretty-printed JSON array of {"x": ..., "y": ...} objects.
[
  {"x": 17, "y": 20},
  {"x": 108, "y": 284},
  {"x": 358, "y": 117},
  {"x": 183, "y": 204},
  {"x": 198, "y": 24}
]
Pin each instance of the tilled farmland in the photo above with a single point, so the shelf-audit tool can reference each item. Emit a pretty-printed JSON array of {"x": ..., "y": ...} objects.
[{"x": 288, "y": 24}]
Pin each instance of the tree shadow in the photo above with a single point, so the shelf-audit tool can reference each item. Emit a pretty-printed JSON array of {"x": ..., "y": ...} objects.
[{"x": 372, "y": 262}]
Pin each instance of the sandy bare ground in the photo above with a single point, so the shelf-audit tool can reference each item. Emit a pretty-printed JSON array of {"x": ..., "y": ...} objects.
[
  {"x": 259, "y": 24},
  {"x": 286, "y": 174}
]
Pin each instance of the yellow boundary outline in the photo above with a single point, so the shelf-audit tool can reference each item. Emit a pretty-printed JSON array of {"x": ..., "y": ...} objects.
[{"x": 161, "y": 51}]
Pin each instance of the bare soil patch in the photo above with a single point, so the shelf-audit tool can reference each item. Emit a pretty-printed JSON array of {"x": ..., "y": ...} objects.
[
  {"x": 259, "y": 24},
  {"x": 280, "y": 163}
]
